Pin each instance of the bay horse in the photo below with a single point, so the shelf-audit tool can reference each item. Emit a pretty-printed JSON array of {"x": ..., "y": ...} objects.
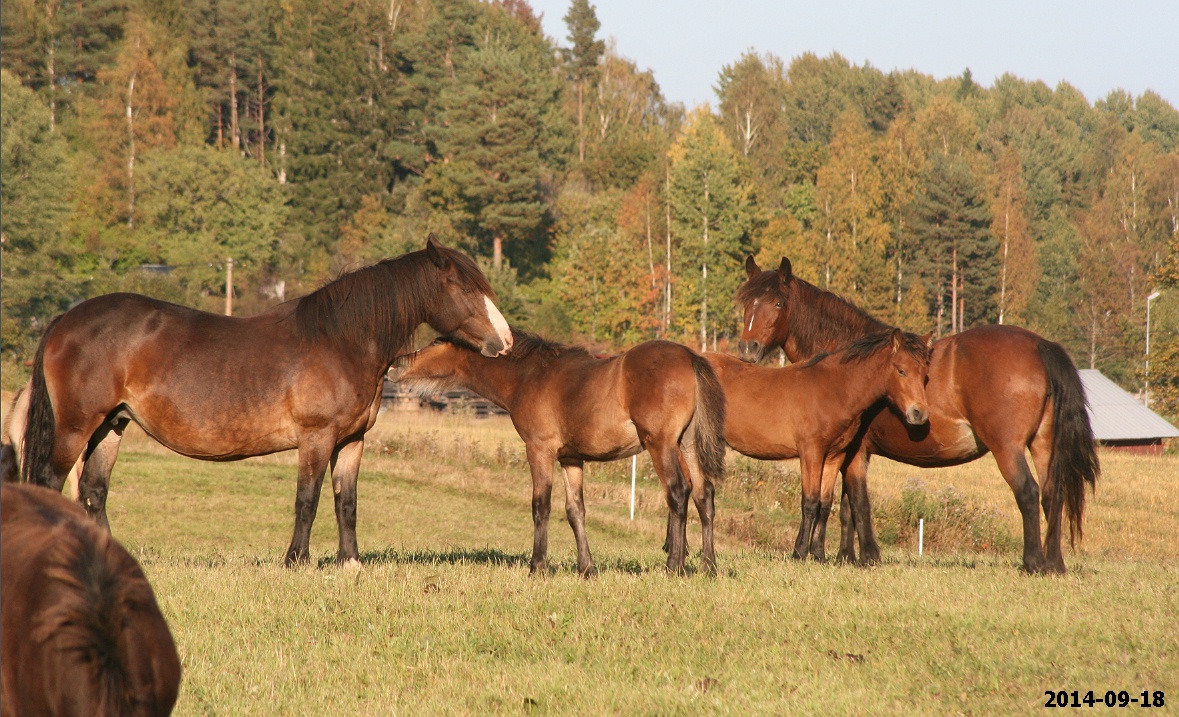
[
  {"x": 812, "y": 411},
  {"x": 12, "y": 441},
  {"x": 1001, "y": 389},
  {"x": 82, "y": 632},
  {"x": 570, "y": 407},
  {"x": 306, "y": 374}
]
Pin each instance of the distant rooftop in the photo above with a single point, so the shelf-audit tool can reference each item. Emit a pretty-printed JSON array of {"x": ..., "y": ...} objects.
[{"x": 1117, "y": 416}]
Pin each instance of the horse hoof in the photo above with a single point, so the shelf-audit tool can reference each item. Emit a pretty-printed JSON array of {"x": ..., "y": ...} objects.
[
  {"x": 845, "y": 558},
  {"x": 589, "y": 573},
  {"x": 349, "y": 563}
]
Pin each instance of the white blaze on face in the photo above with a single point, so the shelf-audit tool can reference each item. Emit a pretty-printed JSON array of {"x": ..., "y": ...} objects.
[
  {"x": 499, "y": 323},
  {"x": 752, "y": 313}
]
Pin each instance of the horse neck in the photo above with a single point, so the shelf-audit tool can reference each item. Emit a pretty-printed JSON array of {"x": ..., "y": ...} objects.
[
  {"x": 496, "y": 379},
  {"x": 820, "y": 322},
  {"x": 362, "y": 315},
  {"x": 859, "y": 383}
]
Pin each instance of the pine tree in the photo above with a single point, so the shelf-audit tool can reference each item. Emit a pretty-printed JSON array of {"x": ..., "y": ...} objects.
[
  {"x": 582, "y": 59},
  {"x": 957, "y": 257},
  {"x": 489, "y": 179}
]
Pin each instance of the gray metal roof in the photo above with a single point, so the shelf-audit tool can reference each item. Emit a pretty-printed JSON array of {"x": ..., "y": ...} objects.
[{"x": 1117, "y": 416}]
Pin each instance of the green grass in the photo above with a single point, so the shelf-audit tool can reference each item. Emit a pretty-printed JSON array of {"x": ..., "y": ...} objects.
[{"x": 442, "y": 618}]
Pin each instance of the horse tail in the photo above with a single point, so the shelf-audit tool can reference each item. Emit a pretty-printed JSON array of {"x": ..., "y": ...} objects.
[
  {"x": 1074, "y": 451},
  {"x": 40, "y": 425},
  {"x": 709, "y": 422},
  {"x": 12, "y": 436}
]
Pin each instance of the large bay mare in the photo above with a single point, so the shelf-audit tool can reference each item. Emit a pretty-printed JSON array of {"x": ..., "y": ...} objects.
[
  {"x": 1001, "y": 389},
  {"x": 306, "y": 374},
  {"x": 570, "y": 407},
  {"x": 812, "y": 411}
]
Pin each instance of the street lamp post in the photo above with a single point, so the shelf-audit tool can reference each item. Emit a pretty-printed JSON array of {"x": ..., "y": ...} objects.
[{"x": 1146, "y": 381}]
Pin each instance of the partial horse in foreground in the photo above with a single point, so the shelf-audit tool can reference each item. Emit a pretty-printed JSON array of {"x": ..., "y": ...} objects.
[
  {"x": 306, "y": 374},
  {"x": 813, "y": 412},
  {"x": 570, "y": 407},
  {"x": 1001, "y": 389},
  {"x": 82, "y": 633}
]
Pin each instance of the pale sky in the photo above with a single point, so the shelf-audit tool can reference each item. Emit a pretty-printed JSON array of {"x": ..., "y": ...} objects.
[{"x": 1095, "y": 46}]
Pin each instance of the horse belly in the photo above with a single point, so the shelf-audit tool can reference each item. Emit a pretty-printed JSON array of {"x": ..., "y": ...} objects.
[
  {"x": 210, "y": 436},
  {"x": 945, "y": 442},
  {"x": 605, "y": 443}
]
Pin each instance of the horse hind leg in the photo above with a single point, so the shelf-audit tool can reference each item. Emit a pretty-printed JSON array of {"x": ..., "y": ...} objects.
[
  {"x": 1014, "y": 467},
  {"x": 93, "y": 483},
  {"x": 667, "y": 466},
  {"x": 703, "y": 496},
  {"x": 1050, "y": 498}
]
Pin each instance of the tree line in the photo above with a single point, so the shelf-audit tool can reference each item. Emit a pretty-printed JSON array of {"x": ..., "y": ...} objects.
[{"x": 147, "y": 141}]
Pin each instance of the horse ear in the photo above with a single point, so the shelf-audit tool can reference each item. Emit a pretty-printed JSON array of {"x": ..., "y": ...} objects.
[
  {"x": 928, "y": 340},
  {"x": 898, "y": 340},
  {"x": 785, "y": 271},
  {"x": 436, "y": 252},
  {"x": 751, "y": 267}
]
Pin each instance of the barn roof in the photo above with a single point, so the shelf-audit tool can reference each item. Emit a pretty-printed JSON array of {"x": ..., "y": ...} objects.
[{"x": 1117, "y": 416}]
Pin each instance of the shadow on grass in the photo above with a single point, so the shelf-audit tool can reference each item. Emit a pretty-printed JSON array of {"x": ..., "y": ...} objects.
[
  {"x": 454, "y": 556},
  {"x": 483, "y": 556}
]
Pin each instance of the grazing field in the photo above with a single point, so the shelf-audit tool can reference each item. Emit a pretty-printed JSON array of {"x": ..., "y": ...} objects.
[{"x": 442, "y": 618}]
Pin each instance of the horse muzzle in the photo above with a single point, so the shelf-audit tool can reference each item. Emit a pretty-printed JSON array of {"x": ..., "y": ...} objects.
[
  {"x": 495, "y": 347},
  {"x": 750, "y": 351},
  {"x": 916, "y": 416}
]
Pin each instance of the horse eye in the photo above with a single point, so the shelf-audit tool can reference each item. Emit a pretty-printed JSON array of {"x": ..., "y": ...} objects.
[
  {"x": 466, "y": 290},
  {"x": 777, "y": 304},
  {"x": 901, "y": 371}
]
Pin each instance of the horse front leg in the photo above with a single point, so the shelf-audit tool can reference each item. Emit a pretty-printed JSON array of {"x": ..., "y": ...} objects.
[
  {"x": 541, "y": 463},
  {"x": 826, "y": 496},
  {"x": 345, "y": 469},
  {"x": 575, "y": 512},
  {"x": 314, "y": 455},
  {"x": 855, "y": 482},
  {"x": 812, "y": 480},
  {"x": 847, "y": 527}
]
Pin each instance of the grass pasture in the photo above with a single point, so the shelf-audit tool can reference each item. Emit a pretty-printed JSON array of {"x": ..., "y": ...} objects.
[{"x": 443, "y": 618}]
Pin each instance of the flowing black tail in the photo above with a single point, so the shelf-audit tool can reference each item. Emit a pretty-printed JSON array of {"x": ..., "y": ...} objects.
[
  {"x": 709, "y": 421},
  {"x": 41, "y": 426},
  {"x": 1074, "y": 451}
]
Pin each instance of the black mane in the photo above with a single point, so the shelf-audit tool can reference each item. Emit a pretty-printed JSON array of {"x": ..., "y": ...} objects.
[{"x": 385, "y": 302}]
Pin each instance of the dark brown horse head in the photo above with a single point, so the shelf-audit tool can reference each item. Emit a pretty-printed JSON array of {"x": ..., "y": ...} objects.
[
  {"x": 908, "y": 373},
  {"x": 469, "y": 310},
  {"x": 784, "y": 311},
  {"x": 765, "y": 306}
]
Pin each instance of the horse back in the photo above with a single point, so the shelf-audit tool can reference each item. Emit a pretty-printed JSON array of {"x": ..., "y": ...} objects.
[{"x": 82, "y": 632}]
